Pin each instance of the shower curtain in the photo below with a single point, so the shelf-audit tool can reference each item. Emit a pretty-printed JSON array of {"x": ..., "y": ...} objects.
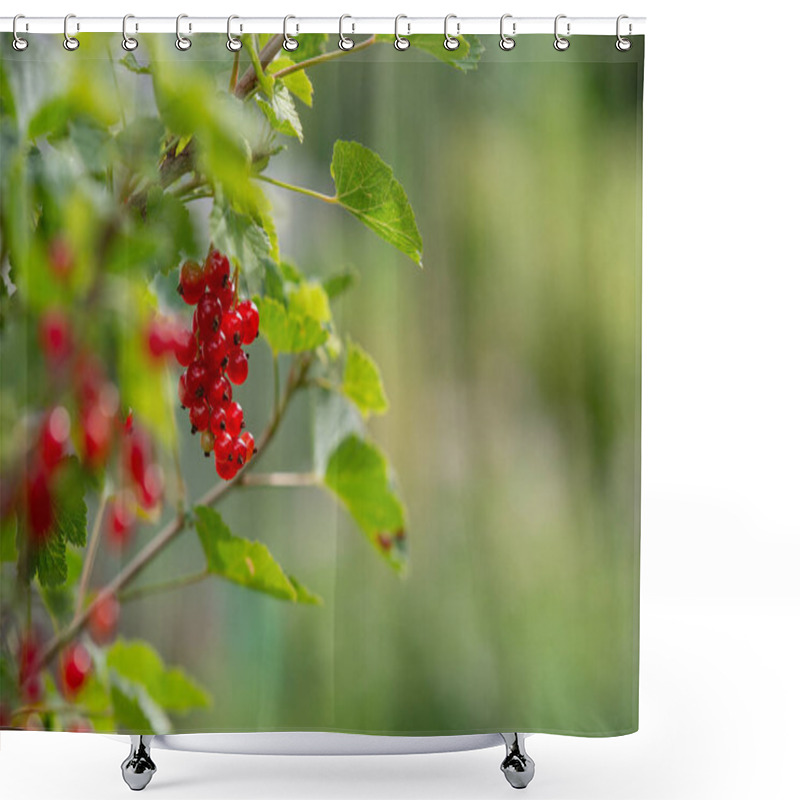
[{"x": 320, "y": 385}]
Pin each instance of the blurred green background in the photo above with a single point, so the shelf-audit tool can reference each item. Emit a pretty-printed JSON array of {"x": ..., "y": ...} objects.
[{"x": 511, "y": 362}]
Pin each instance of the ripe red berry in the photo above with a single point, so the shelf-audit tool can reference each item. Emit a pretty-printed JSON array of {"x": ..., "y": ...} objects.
[
  {"x": 138, "y": 455},
  {"x": 192, "y": 284},
  {"x": 226, "y": 296},
  {"x": 217, "y": 272},
  {"x": 76, "y": 664},
  {"x": 235, "y": 419},
  {"x": 103, "y": 619},
  {"x": 160, "y": 338},
  {"x": 215, "y": 352},
  {"x": 185, "y": 346},
  {"x": 152, "y": 488},
  {"x": 223, "y": 446},
  {"x": 199, "y": 415},
  {"x": 97, "y": 430},
  {"x": 55, "y": 434},
  {"x": 237, "y": 368},
  {"x": 239, "y": 453},
  {"x": 30, "y": 680},
  {"x": 232, "y": 327},
  {"x": 209, "y": 315},
  {"x": 249, "y": 443},
  {"x": 122, "y": 522},
  {"x": 207, "y": 443},
  {"x": 39, "y": 505},
  {"x": 196, "y": 378},
  {"x": 55, "y": 336},
  {"x": 220, "y": 392},
  {"x": 226, "y": 469},
  {"x": 249, "y": 314},
  {"x": 184, "y": 395},
  {"x": 219, "y": 421}
]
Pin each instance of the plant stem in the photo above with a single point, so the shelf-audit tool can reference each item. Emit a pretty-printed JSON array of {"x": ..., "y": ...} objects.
[
  {"x": 281, "y": 479},
  {"x": 299, "y": 189},
  {"x": 269, "y": 51},
  {"x": 170, "y": 531},
  {"x": 156, "y": 588},
  {"x": 321, "y": 59},
  {"x": 91, "y": 553}
]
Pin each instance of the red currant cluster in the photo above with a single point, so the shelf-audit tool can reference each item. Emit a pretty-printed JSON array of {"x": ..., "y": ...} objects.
[{"x": 213, "y": 356}]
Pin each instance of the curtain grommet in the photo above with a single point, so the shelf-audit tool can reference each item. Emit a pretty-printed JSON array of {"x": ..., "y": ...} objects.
[
  {"x": 507, "y": 42},
  {"x": 290, "y": 44},
  {"x": 181, "y": 41},
  {"x": 451, "y": 42},
  {"x": 129, "y": 43},
  {"x": 70, "y": 42},
  {"x": 400, "y": 42},
  {"x": 345, "y": 42},
  {"x": 560, "y": 43},
  {"x": 234, "y": 44},
  {"x": 622, "y": 44}
]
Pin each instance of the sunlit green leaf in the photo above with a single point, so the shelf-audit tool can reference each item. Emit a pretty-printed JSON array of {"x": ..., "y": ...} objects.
[
  {"x": 243, "y": 561},
  {"x": 362, "y": 381},
  {"x": 367, "y": 188},
  {"x": 287, "y": 332},
  {"x": 464, "y": 57},
  {"x": 358, "y": 474},
  {"x": 281, "y": 113},
  {"x": 128, "y": 714},
  {"x": 297, "y": 82},
  {"x": 60, "y": 600},
  {"x": 339, "y": 283},
  {"x": 170, "y": 687},
  {"x": 309, "y": 299}
]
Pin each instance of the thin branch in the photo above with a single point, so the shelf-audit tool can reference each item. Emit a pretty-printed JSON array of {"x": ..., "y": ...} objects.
[
  {"x": 91, "y": 553},
  {"x": 170, "y": 531},
  {"x": 299, "y": 189},
  {"x": 269, "y": 51},
  {"x": 166, "y": 586},
  {"x": 321, "y": 59},
  {"x": 281, "y": 479}
]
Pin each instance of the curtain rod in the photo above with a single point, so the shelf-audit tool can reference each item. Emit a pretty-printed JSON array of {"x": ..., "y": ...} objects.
[{"x": 568, "y": 26}]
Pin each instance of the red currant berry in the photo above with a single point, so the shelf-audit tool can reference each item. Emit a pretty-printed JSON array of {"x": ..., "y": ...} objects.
[
  {"x": 128, "y": 427},
  {"x": 249, "y": 314},
  {"x": 223, "y": 446},
  {"x": 218, "y": 271},
  {"x": 209, "y": 316},
  {"x": 237, "y": 366},
  {"x": 139, "y": 455},
  {"x": 192, "y": 283},
  {"x": 55, "y": 336},
  {"x": 60, "y": 257},
  {"x": 152, "y": 487},
  {"x": 249, "y": 444},
  {"x": 239, "y": 453},
  {"x": 103, "y": 619},
  {"x": 218, "y": 422},
  {"x": 97, "y": 431},
  {"x": 39, "y": 502},
  {"x": 196, "y": 378},
  {"x": 185, "y": 346},
  {"x": 215, "y": 352},
  {"x": 55, "y": 434},
  {"x": 235, "y": 419},
  {"x": 220, "y": 392},
  {"x": 30, "y": 680},
  {"x": 122, "y": 522},
  {"x": 232, "y": 327},
  {"x": 184, "y": 395},
  {"x": 226, "y": 469},
  {"x": 76, "y": 664},
  {"x": 207, "y": 443},
  {"x": 199, "y": 415},
  {"x": 225, "y": 296},
  {"x": 160, "y": 338}
]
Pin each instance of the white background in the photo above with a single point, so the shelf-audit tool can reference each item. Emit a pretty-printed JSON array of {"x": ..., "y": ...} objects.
[{"x": 721, "y": 442}]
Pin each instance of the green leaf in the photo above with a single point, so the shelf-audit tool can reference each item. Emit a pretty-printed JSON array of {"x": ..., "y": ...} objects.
[
  {"x": 248, "y": 242},
  {"x": 60, "y": 600},
  {"x": 367, "y": 188},
  {"x": 362, "y": 382},
  {"x": 137, "y": 662},
  {"x": 130, "y": 62},
  {"x": 305, "y": 595},
  {"x": 464, "y": 57},
  {"x": 281, "y": 113},
  {"x": 358, "y": 474},
  {"x": 69, "y": 505},
  {"x": 309, "y": 299},
  {"x": 169, "y": 220},
  {"x": 288, "y": 332},
  {"x": 242, "y": 561},
  {"x": 50, "y": 561},
  {"x": 297, "y": 82},
  {"x": 128, "y": 713},
  {"x": 310, "y": 45},
  {"x": 339, "y": 283}
]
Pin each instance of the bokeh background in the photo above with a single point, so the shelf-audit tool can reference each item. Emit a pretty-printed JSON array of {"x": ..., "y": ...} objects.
[{"x": 511, "y": 362}]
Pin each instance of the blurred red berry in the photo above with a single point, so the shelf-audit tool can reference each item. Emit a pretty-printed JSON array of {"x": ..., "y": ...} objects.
[
  {"x": 160, "y": 338},
  {"x": 76, "y": 664},
  {"x": 55, "y": 435},
  {"x": 192, "y": 283},
  {"x": 31, "y": 685},
  {"x": 103, "y": 619},
  {"x": 39, "y": 505},
  {"x": 60, "y": 257},
  {"x": 235, "y": 419},
  {"x": 121, "y": 522},
  {"x": 237, "y": 366},
  {"x": 249, "y": 314},
  {"x": 152, "y": 488},
  {"x": 226, "y": 469},
  {"x": 55, "y": 336},
  {"x": 185, "y": 346}
]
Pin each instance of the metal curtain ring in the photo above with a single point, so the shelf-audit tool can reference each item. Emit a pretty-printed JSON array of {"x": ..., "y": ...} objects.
[
  {"x": 181, "y": 42},
  {"x": 400, "y": 42},
  {"x": 622, "y": 44},
  {"x": 289, "y": 43},
  {"x": 560, "y": 43},
  {"x": 506, "y": 42},
  {"x": 450, "y": 42},
  {"x": 18, "y": 43},
  {"x": 233, "y": 43},
  {"x": 128, "y": 42},
  {"x": 345, "y": 43},
  {"x": 70, "y": 42}
]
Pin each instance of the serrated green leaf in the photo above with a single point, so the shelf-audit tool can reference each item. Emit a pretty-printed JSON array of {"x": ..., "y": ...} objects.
[
  {"x": 243, "y": 561},
  {"x": 170, "y": 687},
  {"x": 281, "y": 113},
  {"x": 69, "y": 505},
  {"x": 60, "y": 600},
  {"x": 464, "y": 57},
  {"x": 367, "y": 188},
  {"x": 305, "y": 595},
  {"x": 128, "y": 713},
  {"x": 358, "y": 474},
  {"x": 339, "y": 283},
  {"x": 49, "y": 561},
  {"x": 287, "y": 332},
  {"x": 309, "y": 299},
  {"x": 362, "y": 382},
  {"x": 310, "y": 45},
  {"x": 297, "y": 82}
]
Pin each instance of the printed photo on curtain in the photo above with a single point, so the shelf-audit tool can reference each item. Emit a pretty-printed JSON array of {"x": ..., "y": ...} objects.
[{"x": 320, "y": 385}]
